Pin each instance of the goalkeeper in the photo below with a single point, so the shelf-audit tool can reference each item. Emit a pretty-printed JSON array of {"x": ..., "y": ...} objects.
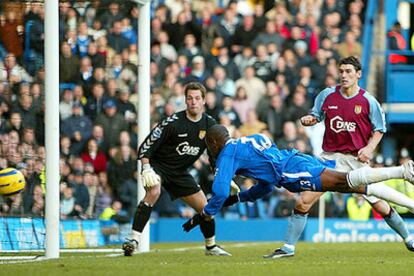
[{"x": 166, "y": 154}]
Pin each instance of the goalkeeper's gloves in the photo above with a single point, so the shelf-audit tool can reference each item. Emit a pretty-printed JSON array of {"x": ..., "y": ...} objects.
[
  {"x": 234, "y": 189},
  {"x": 149, "y": 176},
  {"x": 195, "y": 220}
]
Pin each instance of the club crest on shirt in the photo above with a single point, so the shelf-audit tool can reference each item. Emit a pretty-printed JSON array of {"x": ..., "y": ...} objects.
[
  {"x": 357, "y": 109},
  {"x": 202, "y": 134}
]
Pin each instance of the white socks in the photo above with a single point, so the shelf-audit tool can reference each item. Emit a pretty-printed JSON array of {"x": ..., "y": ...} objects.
[
  {"x": 210, "y": 241},
  {"x": 389, "y": 194},
  {"x": 135, "y": 235},
  {"x": 366, "y": 175}
]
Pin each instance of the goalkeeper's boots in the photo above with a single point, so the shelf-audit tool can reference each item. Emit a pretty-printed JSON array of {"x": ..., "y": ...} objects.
[
  {"x": 409, "y": 171},
  {"x": 216, "y": 250},
  {"x": 129, "y": 247},
  {"x": 280, "y": 253},
  {"x": 410, "y": 245}
]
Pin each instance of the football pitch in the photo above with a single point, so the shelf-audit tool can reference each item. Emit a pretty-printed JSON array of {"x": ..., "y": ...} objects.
[{"x": 189, "y": 259}]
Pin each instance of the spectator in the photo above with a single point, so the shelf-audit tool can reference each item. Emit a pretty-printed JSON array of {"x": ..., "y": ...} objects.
[
  {"x": 358, "y": 208},
  {"x": 255, "y": 87},
  {"x": 128, "y": 32},
  {"x": 319, "y": 68},
  {"x": 190, "y": 49},
  {"x": 14, "y": 73},
  {"x": 299, "y": 106},
  {"x": 198, "y": 72},
  {"x": 94, "y": 105},
  {"x": 26, "y": 110},
  {"x": 224, "y": 85},
  {"x": 112, "y": 122},
  {"x": 158, "y": 59},
  {"x": 91, "y": 183},
  {"x": 167, "y": 50},
  {"x": 228, "y": 110},
  {"x": 98, "y": 60},
  {"x": 122, "y": 176},
  {"x": 268, "y": 36},
  {"x": 242, "y": 103},
  {"x": 111, "y": 15},
  {"x": 396, "y": 42},
  {"x": 115, "y": 38},
  {"x": 105, "y": 50},
  {"x": 65, "y": 105},
  {"x": 290, "y": 136},
  {"x": 65, "y": 147},
  {"x": 252, "y": 124},
  {"x": 94, "y": 156},
  {"x": 115, "y": 213},
  {"x": 78, "y": 127},
  {"x": 67, "y": 203},
  {"x": 244, "y": 59},
  {"x": 262, "y": 63},
  {"x": 11, "y": 34},
  {"x": 81, "y": 195},
  {"x": 83, "y": 40},
  {"x": 104, "y": 193},
  {"x": 85, "y": 75},
  {"x": 350, "y": 46},
  {"x": 98, "y": 135},
  {"x": 177, "y": 98},
  {"x": 244, "y": 34},
  {"x": 275, "y": 116}
]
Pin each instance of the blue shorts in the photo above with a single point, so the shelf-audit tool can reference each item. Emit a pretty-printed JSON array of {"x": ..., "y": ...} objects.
[{"x": 302, "y": 173}]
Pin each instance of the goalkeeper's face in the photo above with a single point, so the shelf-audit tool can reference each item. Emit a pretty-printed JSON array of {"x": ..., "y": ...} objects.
[{"x": 195, "y": 102}]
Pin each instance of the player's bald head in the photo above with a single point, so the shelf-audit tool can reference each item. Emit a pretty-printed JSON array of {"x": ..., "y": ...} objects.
[{"x": 216, "y": 138}]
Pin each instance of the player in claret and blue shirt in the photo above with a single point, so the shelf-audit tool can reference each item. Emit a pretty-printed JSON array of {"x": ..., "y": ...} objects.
[
  {"x": 354, "y": 126},
  {"x": 259, "y": 158}
]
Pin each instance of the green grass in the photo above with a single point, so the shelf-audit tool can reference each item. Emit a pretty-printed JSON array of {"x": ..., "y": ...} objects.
[{"x": 311, "y": 259}]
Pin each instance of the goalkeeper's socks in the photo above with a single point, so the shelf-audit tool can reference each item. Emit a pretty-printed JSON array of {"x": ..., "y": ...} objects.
[{"x": 210, "y": 242}]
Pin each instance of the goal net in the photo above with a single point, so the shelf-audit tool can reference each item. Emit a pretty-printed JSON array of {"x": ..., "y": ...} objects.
[{"x": 97, "y": 185}]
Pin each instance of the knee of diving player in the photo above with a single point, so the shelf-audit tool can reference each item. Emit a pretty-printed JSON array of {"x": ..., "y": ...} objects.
[{"x": 255, "y": 192}]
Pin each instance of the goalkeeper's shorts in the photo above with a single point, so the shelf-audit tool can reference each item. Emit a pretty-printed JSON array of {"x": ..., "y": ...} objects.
[{"x": 178, "y": 183}]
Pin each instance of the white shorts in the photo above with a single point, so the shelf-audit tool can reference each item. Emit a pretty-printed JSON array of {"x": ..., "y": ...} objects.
[{"x": 347, "y": 163}]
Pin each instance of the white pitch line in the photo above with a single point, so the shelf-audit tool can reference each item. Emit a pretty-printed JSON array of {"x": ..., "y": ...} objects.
[{"x": 114, "y": 252}]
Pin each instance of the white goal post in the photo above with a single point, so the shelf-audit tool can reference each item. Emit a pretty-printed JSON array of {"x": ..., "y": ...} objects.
[
  {"x": 52, "y": 121},
  {"x": 52, "y": 127}
]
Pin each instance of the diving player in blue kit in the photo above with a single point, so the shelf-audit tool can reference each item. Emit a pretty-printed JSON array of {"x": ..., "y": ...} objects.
[{"x": 257, "y": 157}]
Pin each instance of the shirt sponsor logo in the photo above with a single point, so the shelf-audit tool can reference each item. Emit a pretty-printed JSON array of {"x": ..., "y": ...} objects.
[
  {"x": 183, "y": 135},
  {"x": 185, "y": 148},
  {"x": 337, "y": 125},
  {"x": 332, "y": 107}
]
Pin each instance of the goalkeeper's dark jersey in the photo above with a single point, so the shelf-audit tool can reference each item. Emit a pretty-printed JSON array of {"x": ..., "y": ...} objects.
[{"x": 176, "y": 142}]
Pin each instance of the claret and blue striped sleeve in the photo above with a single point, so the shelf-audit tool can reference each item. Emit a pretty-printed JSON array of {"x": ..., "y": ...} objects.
[
  {"x": 319, "y": 100},
  {"x": 376, "y": 114}
]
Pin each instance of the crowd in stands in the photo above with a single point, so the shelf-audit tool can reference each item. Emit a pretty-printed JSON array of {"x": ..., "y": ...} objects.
[{"x": 263, "y": 63}]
